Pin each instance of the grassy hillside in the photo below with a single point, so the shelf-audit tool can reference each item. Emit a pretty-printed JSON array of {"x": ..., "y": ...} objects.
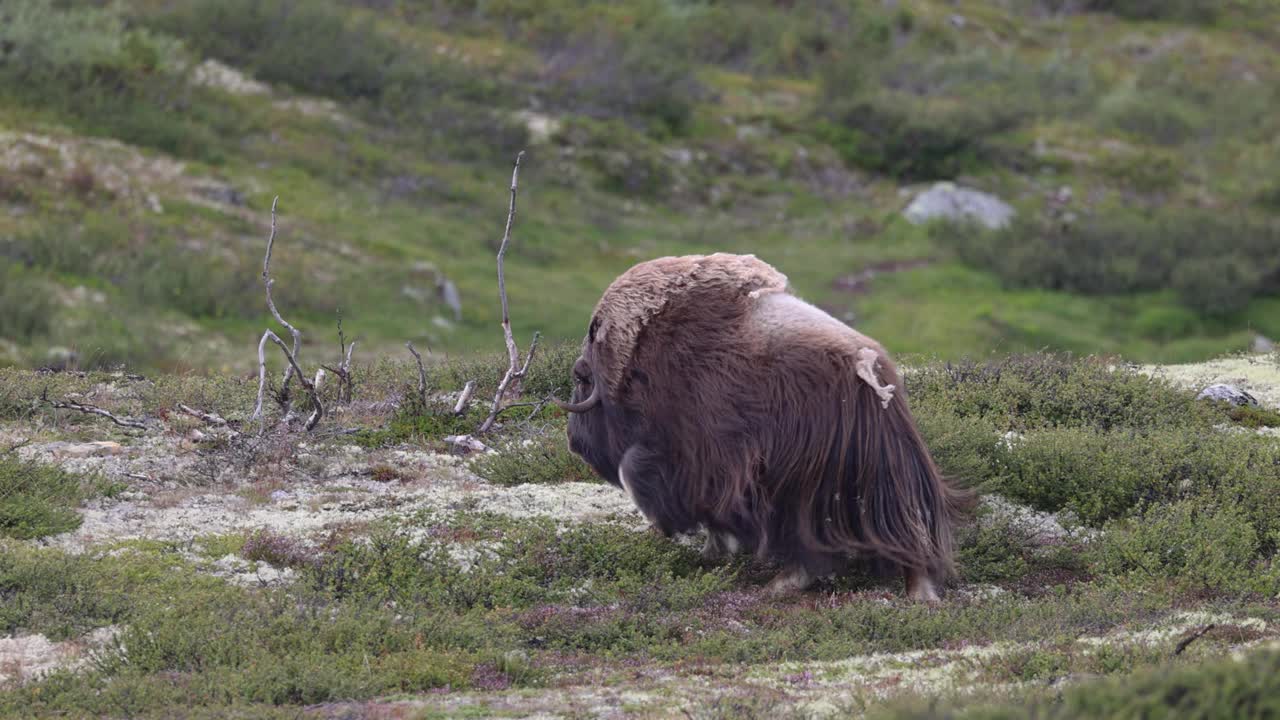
[{"x": 142, "y": 142}]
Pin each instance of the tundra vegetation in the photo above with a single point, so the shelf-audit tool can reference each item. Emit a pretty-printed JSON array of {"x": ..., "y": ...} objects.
[
  {"x": 1127, "y": 529},
  {"x": 188, "y": 559},
  {"x": 142, "y": 142}
]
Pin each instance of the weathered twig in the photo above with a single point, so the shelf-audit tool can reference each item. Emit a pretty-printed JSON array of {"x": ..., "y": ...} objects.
[
  {"x": 464, "y": 397},
  {"x": 15, "y": 446},
  {"x": 1186, "y": 641},
  {"x": 90, "y": 410},
  {"x": 307, "y": 384},
  {"x": 510, "y": 384},
  {"x": 211, "y": 418},
  {"x": 422, "y": 375},
  {"x": 267, "y": 283}
]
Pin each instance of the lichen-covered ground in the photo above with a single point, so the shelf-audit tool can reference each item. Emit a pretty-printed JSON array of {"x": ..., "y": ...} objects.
[{"x": 369, "y": 570}]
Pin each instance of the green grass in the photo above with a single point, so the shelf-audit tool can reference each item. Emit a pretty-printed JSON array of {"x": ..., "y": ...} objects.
[{"x": 417, "y": 169}]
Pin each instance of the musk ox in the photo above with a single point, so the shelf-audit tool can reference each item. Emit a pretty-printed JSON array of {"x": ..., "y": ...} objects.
[{"x": 718, "y": 400}]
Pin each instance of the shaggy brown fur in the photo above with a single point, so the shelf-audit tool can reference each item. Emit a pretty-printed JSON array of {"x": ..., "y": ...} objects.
[{"x": 732, "y": 405}]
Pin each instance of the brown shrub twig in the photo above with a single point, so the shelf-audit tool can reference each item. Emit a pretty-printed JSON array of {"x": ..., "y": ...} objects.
[
  {"x": 90, "y": 410},
  {"x": 1186, "y": 641},
  {"x": 292, "y": 368},
  {"x": 422, "y": 375},
  {"x": 510, "y": 385}
]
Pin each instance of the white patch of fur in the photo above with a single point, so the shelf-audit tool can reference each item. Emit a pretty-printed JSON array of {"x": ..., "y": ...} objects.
[
  {"x": 781, "y": 312},
  {"x": 867, "y": 359}
]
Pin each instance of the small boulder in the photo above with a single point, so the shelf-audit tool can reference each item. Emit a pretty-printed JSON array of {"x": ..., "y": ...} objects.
[
  {"x": 1227, "y": 393},
  {"x": 948, "y": 201}
]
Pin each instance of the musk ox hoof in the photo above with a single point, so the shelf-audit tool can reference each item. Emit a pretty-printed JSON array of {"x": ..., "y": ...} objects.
[
  {"x": 719, "y": 546},
  {"x": 788, "y": 582},
  {"x": 920, "y": 588}
]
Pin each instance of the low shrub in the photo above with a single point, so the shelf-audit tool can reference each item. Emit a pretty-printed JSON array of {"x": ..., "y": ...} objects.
[
  {"x": 37, "y": 500},
  {"x": 1200, "y": 545},
  {"x": 604, "y": 74},
  {"x": 1103, "y": 476},
  {"x": 1214, "y": 263},
  {"x": 542, "y": 457},
  {"x": 1024, "y": 392}
]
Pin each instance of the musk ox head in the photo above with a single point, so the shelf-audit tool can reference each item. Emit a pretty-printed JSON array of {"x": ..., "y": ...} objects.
[{"x": 718, "y": 400}]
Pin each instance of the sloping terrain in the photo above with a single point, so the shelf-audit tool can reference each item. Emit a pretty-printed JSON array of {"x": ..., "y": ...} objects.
[{"x": 142, "y": 143}]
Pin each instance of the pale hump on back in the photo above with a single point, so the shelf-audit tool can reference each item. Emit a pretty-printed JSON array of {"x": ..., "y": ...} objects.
[{"x": 640, "y": 294}]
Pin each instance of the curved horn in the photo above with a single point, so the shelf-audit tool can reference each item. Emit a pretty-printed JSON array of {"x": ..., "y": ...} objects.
[{"x": 583, "y": 406}]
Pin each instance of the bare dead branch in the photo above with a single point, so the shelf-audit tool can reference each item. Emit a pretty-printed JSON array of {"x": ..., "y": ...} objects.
[
  {"x": 307, "y": 384},
  {"x": 510, "y": 385},
  {"x": 90, "y": 410},
  {"x": 1186, "y": 641},
  {"x": 15, "y": 446},
  {"x": 268, "y": 282},
  {"x": 464, "y": 398},
  {"x": 422, "y": 375},
  {"x": 211, "y": 418}
]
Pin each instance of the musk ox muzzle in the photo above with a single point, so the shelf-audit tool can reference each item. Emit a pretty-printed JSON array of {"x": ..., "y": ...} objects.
[{"x": 720, "y": 401}]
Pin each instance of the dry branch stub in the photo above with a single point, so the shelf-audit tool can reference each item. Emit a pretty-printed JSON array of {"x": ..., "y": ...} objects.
[
  {"x": 465, "y": 397},
  {"x": 422, "y": 375}
]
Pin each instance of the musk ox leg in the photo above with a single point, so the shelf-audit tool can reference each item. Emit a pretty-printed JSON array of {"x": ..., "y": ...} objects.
[
  {"x": 789, "y": 581},
  {"x": 644, "y": 476},
  {"x": 866, "y": 368},
  {"x": 920, "y": 586},
  {"x": 720, "y": 545}
]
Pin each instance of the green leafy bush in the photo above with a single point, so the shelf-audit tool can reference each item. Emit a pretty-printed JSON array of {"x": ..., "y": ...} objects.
[
  {"x": 109, "y": 78},
  {"x": 37, "y": 500},
  {"x": 542, "y": 457},
  {"x": 1200, "y": 545},
  {"x": 1022, "y": 392},
  {"x": 1102, "y": 476},
  {"x": 1214, "y": 263}
]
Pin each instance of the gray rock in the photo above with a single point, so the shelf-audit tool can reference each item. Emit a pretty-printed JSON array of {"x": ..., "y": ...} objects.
[
  {"x": 1227, "y": 393},
  {"x": 948, "y": 201},
  {"x": 1263, "y": 344}
]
